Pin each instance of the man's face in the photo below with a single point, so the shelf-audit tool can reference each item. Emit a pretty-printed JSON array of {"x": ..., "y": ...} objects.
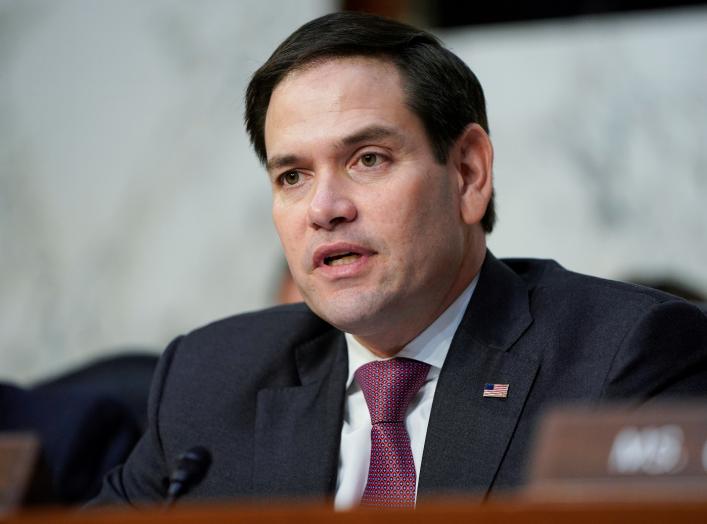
[{"x": 369, "y": 220}]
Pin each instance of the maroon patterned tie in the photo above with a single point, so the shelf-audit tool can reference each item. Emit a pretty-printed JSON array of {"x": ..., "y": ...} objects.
[{"x": 389, "y": 386}]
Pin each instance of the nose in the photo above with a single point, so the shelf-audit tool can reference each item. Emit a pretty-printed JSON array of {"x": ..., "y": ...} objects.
[{"x": 330, "y": 205}]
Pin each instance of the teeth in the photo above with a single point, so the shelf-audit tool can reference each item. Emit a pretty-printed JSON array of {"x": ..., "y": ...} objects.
[{"x": 340, "y": 260}]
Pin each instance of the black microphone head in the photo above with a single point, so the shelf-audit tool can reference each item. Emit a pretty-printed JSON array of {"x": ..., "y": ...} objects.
[{"x": 191, "y": 467}]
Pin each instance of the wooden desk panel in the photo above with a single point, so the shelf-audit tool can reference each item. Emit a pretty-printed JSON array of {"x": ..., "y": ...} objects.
[{"x": 447, "y": 513}]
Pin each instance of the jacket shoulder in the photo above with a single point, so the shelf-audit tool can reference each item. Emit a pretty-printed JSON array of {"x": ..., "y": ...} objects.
[
  {"x": 250, "y": 342},
  {"x": 632, "y": 341},
  {"x": 290, "y": 324},
  {"x": 549, "y": 277}
]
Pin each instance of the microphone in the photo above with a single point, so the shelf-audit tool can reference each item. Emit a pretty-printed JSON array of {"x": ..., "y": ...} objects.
[{"x": 191, "y": 468}]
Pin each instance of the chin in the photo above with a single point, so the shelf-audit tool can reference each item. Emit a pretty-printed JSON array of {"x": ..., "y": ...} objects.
[
  {"x": 353, "y": 314},
  {"x": 351, "y": 321}
]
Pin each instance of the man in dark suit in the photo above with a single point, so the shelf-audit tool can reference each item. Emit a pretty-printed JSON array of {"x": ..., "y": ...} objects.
[{"x": 419, "y": 361}]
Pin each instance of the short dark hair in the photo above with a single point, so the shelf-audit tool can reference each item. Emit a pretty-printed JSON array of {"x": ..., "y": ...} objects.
[{"x": 441, "y": 89}]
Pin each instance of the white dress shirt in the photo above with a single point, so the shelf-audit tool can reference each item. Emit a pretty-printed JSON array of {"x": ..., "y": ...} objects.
[{"x": 430, "y": 346}]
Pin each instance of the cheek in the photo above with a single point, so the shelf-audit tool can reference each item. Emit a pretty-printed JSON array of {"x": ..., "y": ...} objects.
[
  {"x": 291, "y": 225},
  {"x": 287, "y": 216},
  {"x": 428, "y": 221},
  {"x": 286, "y": 230},
  {"x": 402, "y": 224}
]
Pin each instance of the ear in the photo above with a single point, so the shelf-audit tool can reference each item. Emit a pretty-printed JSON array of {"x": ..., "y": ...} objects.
[{"x": 472, "y": 161}]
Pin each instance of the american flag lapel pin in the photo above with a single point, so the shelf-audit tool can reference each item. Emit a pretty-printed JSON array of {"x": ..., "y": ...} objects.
[{"x": 496, "y": 390}]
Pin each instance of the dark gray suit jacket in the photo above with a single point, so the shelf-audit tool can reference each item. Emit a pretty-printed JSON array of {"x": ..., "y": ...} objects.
[{"x": 264, "y": 392}]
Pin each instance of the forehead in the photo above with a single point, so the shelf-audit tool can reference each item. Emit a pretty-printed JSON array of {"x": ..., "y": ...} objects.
[
  {"x": 326, "y": 99},
  {"x": 360, "y": 72}
]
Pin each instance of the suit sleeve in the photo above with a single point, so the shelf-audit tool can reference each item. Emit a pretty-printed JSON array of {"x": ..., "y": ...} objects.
[
  {"x": 142, "y": 480},
  {"x": 663, "y": 355}
]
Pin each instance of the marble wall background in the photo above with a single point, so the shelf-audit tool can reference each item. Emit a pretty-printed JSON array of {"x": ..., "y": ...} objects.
[
  {"x": 132, "y": 209},
  {"x": 131, "y": 206}
]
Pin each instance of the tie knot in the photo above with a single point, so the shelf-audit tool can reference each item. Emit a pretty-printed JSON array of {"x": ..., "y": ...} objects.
[{"x": 389, "y": 386}]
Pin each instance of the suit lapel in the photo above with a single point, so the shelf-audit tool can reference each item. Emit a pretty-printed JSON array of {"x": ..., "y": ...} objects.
[
  {"x": 298, "y": 429},
  {"x": 468, "y": 434}
]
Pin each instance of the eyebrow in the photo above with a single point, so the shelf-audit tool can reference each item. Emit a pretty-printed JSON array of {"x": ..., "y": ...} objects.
[
  {"x": 370, "y": 133},
  {"x": 280, "y": 161}
]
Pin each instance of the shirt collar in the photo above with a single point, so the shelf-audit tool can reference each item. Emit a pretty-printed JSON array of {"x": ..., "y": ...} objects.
[{"x": 430, "y": 346}]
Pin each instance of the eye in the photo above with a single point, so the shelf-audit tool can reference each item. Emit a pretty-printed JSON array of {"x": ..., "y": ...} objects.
[
  {"x": 290, "y": 178},
  {"x": 369, "y": 159}
]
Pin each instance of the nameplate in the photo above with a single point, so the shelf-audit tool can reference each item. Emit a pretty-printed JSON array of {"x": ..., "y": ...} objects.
[
  {"x": 617, "y": 452},
  {"x": 19, "y": 456}
]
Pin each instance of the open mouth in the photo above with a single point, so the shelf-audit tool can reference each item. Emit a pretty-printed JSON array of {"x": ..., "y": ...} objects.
[
  {"x": 341, "y": 254},
  {"x": 341, "y": 259}
]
